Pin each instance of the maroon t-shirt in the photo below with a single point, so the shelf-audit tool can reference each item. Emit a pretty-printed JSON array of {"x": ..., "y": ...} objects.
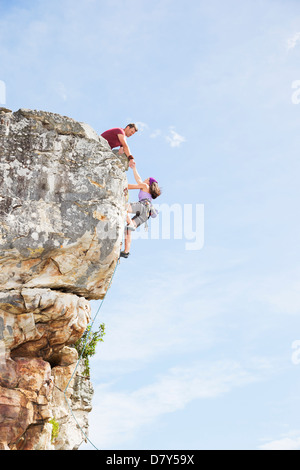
[{"x": 112, "y": 136}]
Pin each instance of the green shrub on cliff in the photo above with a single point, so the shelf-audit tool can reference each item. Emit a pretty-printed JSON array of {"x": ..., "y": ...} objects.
[{"x": 86, "y": 345}]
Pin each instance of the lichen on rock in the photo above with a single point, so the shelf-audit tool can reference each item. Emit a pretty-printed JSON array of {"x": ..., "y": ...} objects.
[{"x": 62, "y": 210}]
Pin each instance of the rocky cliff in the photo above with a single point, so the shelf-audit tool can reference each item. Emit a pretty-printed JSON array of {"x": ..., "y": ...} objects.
[{"x": 62, "y": 209}]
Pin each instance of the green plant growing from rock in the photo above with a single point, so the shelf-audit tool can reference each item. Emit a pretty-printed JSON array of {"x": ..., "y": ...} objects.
[
  {"x": 55, "y": 429},
  {"x": 86, "y": 346}
]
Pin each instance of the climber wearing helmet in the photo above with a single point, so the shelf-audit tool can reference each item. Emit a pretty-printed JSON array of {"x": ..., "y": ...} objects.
[
  {"x": 143, "y": 209},
  {"x": 116, "y": 137}
]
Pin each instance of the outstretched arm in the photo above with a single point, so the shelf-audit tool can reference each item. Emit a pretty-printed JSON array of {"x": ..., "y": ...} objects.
[
  {"x": 137, "y": 177},
  {"x": 140, "y": 184},
  {"x": 126, "y": 149},
  {"x": 136, "y": 186}
]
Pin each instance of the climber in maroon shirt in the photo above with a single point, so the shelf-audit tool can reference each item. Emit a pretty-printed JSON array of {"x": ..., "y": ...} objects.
[{"x": 116, "y": 137}]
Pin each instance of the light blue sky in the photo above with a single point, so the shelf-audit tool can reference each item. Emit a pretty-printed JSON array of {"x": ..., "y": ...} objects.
[{"x": 198, "y": 351}]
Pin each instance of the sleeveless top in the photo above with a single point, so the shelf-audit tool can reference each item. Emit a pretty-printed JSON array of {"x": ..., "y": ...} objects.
[{"x": 144, "y": 195}]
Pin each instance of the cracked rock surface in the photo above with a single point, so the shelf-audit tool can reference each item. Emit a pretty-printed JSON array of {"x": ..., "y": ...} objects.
[{"x": 62, "y": 210}]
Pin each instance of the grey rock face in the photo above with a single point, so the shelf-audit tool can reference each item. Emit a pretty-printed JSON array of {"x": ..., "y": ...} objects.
[
  {"x": 62, "y": 213},
  {"x": 61, "y": 204}
]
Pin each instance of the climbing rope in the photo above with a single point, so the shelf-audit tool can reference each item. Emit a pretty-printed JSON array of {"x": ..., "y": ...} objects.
[{"x": 85, "y": 344}]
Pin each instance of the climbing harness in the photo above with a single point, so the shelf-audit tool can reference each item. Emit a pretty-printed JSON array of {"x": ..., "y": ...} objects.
[{"x": 85, "y": 344}]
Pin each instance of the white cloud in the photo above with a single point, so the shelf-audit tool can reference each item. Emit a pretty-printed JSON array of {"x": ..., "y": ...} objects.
[
  {"x": 155, "y": 134},
  {"x": 172, "y": 323},
  {"x": 281, "y": 292},
  {"x": 119, "y": 416},
  {"x": 175, "y": 139},
  {"x": 187, "y": 308},
  {"x": 286, "y": 443},
  {"x": 141, "y": 126},
  {"x": 292, "y": 41}
]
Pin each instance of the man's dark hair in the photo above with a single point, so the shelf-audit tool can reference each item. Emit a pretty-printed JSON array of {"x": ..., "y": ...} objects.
[{"x": 132, "y": 126}]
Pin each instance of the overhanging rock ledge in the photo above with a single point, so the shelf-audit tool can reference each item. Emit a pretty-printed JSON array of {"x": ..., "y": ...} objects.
[{"x": 62, "y": 212}]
